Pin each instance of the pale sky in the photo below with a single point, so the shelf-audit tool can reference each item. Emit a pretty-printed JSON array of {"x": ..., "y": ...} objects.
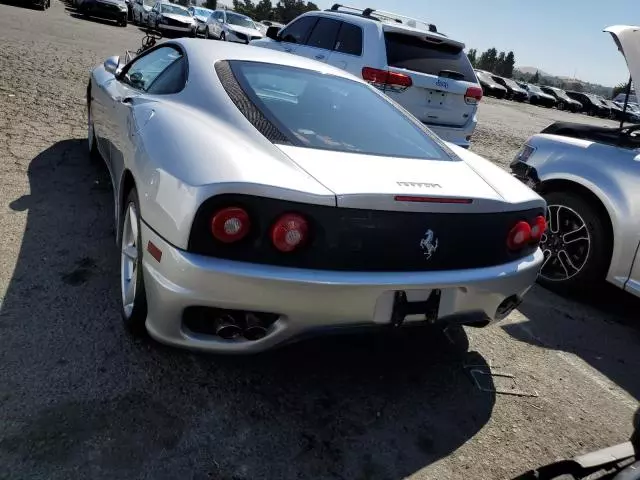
[{"x": 561, "y": 37}]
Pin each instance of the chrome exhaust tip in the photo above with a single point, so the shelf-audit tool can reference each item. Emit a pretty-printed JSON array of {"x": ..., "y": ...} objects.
[
  {"x": 227, "y": 328},
  {"x": 253, "y": 327}
]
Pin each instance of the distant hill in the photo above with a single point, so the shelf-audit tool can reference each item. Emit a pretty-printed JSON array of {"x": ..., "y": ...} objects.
[
  {"x": 533, "y": 70},
  {"x": 567, "y": 83}
]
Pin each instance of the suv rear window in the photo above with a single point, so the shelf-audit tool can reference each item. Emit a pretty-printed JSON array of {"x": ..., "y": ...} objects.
[
  {"x": 418, "y": 55},
  {"x": 316, "y": 110}
]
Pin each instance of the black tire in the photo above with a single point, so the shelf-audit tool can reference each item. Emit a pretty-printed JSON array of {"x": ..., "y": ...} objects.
[
  {"x": 135, "y": 322},
  {"x": 598, "y": 258},
  {"x": 223, "y": 37},
  {"x": 560, "y": 106},
  {"x": 206, "y": 32}
]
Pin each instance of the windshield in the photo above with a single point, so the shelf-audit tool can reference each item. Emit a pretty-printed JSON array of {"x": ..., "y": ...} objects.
[
  {"x": 485, "y": 77},
  {"x": 535, "y": 89},
  {"x": 511, "y": 83},
  {"x": 239, "y": 20},
  {"x": 175, "y": 9},
  {"x": 326, "y": 112},
  {"x": 203, "y": 12}
]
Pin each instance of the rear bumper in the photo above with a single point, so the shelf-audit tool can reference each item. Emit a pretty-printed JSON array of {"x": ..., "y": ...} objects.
[
  {"x": 461, "y": 136},
  {"x": 309, "y": 301}
]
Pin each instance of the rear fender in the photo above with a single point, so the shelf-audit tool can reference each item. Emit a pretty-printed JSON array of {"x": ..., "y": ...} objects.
[{"x": 562, "y": 162}]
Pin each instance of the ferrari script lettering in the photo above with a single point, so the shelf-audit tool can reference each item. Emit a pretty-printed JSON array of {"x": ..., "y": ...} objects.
[
  {"x": 419, "y": 184},
  {"x": 429, "y": 244}
]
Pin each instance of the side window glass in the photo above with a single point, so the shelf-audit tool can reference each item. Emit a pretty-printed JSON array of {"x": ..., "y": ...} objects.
[
  {"x": 143, "y": 71},
  {"x": 324, "y": 34},
  {"x": 299, "y": 30},
  {"x": 171, "y": 80},
  {"x": 349, "y": 39}
]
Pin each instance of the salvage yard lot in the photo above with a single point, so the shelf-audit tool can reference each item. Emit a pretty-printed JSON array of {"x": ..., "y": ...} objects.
[{"x": 80, "y": 399}]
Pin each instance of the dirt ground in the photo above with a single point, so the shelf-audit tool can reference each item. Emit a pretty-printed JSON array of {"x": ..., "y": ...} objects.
[{"x": 81, "y": 399}]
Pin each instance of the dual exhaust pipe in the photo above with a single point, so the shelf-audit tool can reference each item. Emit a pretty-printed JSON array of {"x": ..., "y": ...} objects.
[{"x": 249, "y": 327}]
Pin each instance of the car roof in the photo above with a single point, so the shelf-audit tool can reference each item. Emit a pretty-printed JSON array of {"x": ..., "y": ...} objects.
[
  {"x": 202, "y": 54},
  {"x": 363, "y": 20}
]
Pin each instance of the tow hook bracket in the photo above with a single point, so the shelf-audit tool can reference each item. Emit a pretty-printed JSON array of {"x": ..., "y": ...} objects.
[{"x": 402, "y": 307}]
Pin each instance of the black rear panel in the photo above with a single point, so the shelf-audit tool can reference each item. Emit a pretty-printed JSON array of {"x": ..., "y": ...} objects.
[{"x": 351, "y": 239}]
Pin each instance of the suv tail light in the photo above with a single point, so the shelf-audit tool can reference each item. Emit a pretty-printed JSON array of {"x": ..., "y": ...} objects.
[
  {"x": 289, "y": 232},
  {"x": 230, "y": 224},
  {"x": 473, "y": 95},
  {"x": 383, "y": 79},
  {"x": 538, "y": 228},
  {"x": 519, "y": 236}
]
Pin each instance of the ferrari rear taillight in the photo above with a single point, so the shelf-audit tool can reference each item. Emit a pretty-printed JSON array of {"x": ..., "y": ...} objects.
[
  {"x": 538, "y": 228},
  {"x": 473, "y": 95},
  {"x": 230, "y": 224},
  {"x": 383, "y": 79},
  {"x": 289, "y": 232},
  {"x": 519, "y": 236}
]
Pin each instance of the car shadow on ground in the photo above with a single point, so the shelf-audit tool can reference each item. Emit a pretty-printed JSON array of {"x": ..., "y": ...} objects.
[
  {"x": 19, "y": 3},
  {"x": 102, "y": 21},
  {"x": 79, "y": 398},
  {"x": 601, "y": 329}
]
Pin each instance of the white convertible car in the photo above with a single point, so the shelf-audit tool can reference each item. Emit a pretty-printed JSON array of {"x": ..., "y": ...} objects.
[{"x": 260, "y": 196}]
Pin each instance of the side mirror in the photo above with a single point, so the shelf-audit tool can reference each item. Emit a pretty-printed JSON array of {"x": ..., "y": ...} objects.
[
  {"x": 220, "y": 20},
  {"x": 111, "y": 64},
  {"x": 272, "y": 33}
]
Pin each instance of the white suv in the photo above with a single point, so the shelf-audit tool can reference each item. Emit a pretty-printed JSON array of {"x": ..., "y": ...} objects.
[{"x": 424, "y": 71}]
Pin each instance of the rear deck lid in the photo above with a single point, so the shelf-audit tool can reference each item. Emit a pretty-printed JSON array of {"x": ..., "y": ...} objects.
[
  {"x": 440, "y": 72},
  {"x": 401, "y": 184}
]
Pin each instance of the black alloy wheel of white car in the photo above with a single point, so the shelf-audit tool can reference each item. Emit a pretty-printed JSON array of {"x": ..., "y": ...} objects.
[{"x": 576, "y": 244}]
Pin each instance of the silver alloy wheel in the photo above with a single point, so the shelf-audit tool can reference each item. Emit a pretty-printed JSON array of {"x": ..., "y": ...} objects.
[
  {"x": 129, "y": 261},
  {"x": 90, "y": 133},
  {"x": 565, "y": 244}
]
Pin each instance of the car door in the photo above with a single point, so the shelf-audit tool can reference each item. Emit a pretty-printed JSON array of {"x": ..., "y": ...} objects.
[
  {"x": 153, "y": 14},
  {"x": 294, "y": 35},
  {"x": 348, "y": 49},
  {"x": 321, "y": 40},
  {"x": 136, "y": 83},
  {"x": 215, "y": 23}
]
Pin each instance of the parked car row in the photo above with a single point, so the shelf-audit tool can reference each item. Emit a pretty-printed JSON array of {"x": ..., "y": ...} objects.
[{"x": 547, "y": 96}]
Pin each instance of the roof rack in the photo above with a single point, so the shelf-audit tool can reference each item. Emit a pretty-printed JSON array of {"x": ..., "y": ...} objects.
[{"x": 382, "y": 15}]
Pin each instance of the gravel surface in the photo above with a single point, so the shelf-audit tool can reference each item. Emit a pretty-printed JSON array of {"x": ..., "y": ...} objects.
[{"x": 80, "y": 399}]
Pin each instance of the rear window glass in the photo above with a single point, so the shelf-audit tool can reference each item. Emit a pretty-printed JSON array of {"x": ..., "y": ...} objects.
[
  {"x": 298, "y": 31},
  {"x": 349, "y": 40},
  {"x": 324, "y": 34},
  {"x": 323, "y": 111},
  {"x": 418, "y": 55}
]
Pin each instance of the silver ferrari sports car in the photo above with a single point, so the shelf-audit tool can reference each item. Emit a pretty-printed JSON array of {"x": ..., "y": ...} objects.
[
  {"x": 260, "y": 196},
  {"x": 589, "y": 177}
]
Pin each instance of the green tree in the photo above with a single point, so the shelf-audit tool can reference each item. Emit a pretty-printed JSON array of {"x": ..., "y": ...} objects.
[
  {"x": 509, "y": 64},
  {"x": 488, "y": 59},
  {"x": 312, "y": 7},
  {"x": 472, "y": 54},
  {"x": 212, "y": 4},
  {"x": 245, "y": 7},
  {"x": 499, "y": 68},
  {"x": 536, "y": 77},
  {"x": 264, "y": 10}
]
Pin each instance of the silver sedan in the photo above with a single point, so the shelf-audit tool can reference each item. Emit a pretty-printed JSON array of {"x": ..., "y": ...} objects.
[
  {"x": 589, "y": 176},
  {"x": 255, "y": 203}
]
